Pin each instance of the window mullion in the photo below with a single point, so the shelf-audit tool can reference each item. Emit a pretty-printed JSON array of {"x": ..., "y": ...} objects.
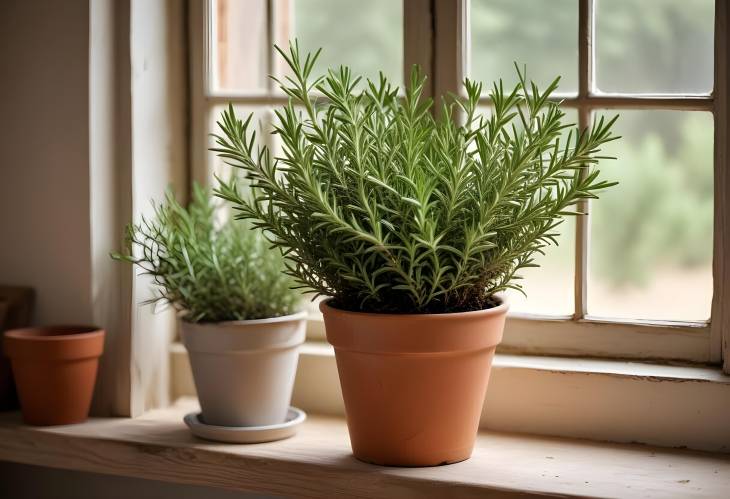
[
  {"x": 270, "y": 41},
  {"x": 720, "y": 326},
  {"x": 200, "y": 47},
  {"x": 621, "y": 101},
  {"x": 449, "y": 47},
  {"x": 585, "y": 84},
  {"x": 418, "y": 39}
]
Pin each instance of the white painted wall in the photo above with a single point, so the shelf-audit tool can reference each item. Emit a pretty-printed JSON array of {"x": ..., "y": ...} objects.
[{"x": 44, "y": 155}]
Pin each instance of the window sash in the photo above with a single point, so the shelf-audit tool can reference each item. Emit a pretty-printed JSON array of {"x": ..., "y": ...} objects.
[{"x": 436, "y": 36}]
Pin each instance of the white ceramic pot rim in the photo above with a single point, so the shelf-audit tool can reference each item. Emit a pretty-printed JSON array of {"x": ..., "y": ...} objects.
[
  {"x": 252, "y": 322},
  {"x": 234, "y": 337}
]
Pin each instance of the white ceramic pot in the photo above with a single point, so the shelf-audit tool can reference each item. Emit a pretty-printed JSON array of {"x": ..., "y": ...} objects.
[{"x": 244, "y": 370}]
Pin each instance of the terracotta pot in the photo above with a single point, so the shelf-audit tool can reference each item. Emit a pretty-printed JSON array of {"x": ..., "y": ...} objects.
[
  {"x": 413, "y": 385},
  {"x": 244, "y": 370},
  {"x": 55, "y": 371}
]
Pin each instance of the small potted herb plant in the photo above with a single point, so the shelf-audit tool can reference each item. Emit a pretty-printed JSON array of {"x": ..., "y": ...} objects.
[
  {"x": 239, "y": 319},
  {"x": 413, "y": 225}
]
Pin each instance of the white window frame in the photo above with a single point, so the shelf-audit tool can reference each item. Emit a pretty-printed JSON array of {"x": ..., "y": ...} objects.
[{"x": 436, "y": 36}]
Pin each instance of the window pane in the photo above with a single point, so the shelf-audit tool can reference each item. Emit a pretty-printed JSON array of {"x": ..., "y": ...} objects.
[
  {"x": 366, "y": 36},
  {"x": 657, "y": 46},
  {"x": 240, "y": 45},
  {"x": 542, "y": 34},
  {"x": 651, "y": 246},
  {"x": 549, "y": 289}
]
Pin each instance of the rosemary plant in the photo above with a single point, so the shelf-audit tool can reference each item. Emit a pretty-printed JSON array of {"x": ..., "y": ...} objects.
[
  {"x": 386, "y": 208},
  {"x": 209, "y": 272}
]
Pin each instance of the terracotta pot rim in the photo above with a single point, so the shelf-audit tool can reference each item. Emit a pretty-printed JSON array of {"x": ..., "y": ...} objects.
[
  {"x": 35, "y": 334},
  {"x": 252, "y": 322},
  {"x": 325, "y": 306}
]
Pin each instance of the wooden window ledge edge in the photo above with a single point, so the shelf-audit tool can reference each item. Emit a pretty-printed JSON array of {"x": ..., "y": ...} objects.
[
  {"x": 317, "y": 462},
  {"x": 598, "y": 399}
]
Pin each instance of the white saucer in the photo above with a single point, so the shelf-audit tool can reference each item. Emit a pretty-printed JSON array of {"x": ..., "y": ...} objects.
[{"x": 246, "y": 434}]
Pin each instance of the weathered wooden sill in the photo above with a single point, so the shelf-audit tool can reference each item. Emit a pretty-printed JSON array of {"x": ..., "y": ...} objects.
[
  {"x": 597, "y": 399},
  {"x": 318, "y": 463}
]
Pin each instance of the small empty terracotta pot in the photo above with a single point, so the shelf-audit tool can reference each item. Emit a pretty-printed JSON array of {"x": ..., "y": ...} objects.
[
  {"x": 55, "y": 371},
  {"x": 414, "y": 384}
]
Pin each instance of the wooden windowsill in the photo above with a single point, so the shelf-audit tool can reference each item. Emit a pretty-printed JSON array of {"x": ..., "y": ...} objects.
[
  {"x": 605, "y": 400},
  {"x": 317, "y": 462}
]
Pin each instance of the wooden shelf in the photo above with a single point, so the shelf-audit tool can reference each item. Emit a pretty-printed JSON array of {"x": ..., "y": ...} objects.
[{"x": 318, "y": 463}]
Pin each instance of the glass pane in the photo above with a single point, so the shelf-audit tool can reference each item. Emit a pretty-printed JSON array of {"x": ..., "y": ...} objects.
[
  {"x": 658, "y": 46},
  {"x": 651, "y": 246},
  {"x": 542, "y": 34},
  {"x": 240, "y": 45},
  {"x": 366, "y": 36},
  {"x": 549, "y": 289}
]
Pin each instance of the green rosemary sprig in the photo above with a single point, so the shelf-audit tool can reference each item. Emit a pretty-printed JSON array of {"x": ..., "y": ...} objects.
[{"x": 209, "y": 272}]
